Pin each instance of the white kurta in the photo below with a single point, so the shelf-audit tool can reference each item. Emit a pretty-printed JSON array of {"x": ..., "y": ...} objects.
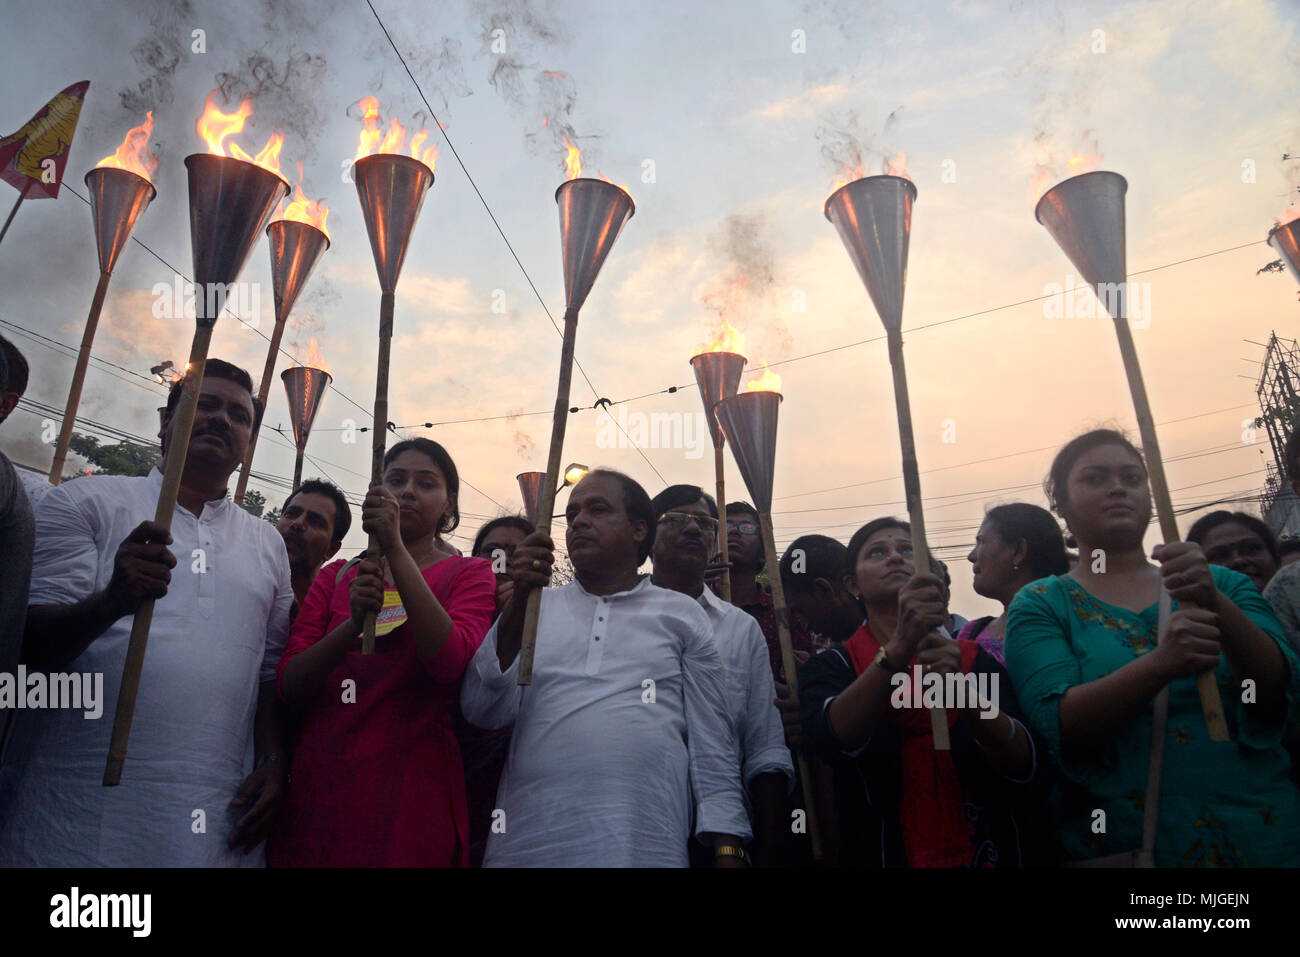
[
  {"x": 751, "y": 692},
  {"x": 216, "y": 635},
  {"x": 623, "y": 730}
]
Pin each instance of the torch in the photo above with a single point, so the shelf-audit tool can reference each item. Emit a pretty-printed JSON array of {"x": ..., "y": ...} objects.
[
  {"x": 392, "y": 188},
  {"x": 120, "y": 190},
  {"x": 718, "y": 376},
  {"x": 297, "y": 243},
  {"x": 530, "y": 488},
  {"x": 1085, "y": 215},
  {"x": 230, "y": 202},
  {"x": 1285, "y": 238},
  {"x": 749, "y": 421},
  {"x": 874, "y": 218},
  {"x": 304, "y": 387},
  {"x": 592, "y": 214}
]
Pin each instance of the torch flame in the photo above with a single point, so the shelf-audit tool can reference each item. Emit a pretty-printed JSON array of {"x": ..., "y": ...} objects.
[
  {"x": 304, "y": 210},
  {"x": 896, "y": 166},
  {"x": 726, "y": 339},
  {"x": 849, "y": 174},
  {"x": 314, "y": 358},
  {"x": 214, "y": 127},
  {"x": 572, "y": 162},
  {"x": 1077, "y": 165},
  {"x": 133, "y": 155},
  {"x": 769, "y": 381},
  {"x": 374, "y": 140}
]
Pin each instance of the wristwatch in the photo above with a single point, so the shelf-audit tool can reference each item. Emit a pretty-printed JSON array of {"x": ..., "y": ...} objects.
[
  {"x": 271, "y": 757},
  {"x": 882, "y": 659}
]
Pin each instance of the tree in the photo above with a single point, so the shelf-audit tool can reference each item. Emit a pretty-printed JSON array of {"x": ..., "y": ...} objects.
[
  {"x": 254, "y": 503},
  {"x": 121, "y": 458},
  {"x": 272, "y": 515}
]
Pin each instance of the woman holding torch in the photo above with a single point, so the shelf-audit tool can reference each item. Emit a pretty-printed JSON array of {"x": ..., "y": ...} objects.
[
  {"x": 377, "y": 778},
  {"x": 1084, "y": 651},
  {"x": 900, "y": 801}
]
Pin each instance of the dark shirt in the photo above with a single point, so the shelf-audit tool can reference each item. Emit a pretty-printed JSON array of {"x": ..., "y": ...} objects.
[
  {"x": 1008, "y": 828},
  {"x": 17, "y": 535},
  {"x": 764, "y": 612}
]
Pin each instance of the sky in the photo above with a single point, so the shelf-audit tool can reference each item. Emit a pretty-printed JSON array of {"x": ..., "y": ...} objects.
[{"x": 730, "y": 124}]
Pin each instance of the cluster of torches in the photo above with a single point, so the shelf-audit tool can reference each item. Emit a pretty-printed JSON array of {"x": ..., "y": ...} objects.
[{"x": 233, "y": 196}]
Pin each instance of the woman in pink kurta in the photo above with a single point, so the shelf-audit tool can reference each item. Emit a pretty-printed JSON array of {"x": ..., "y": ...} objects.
[{"x": 376, "y": 777}]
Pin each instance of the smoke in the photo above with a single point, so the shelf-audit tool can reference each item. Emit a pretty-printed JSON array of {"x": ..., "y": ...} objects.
[
  {"x": 284, "y": 97},
  {"x": 850, "y": 147},
  {"x": 524, "y": 444},
  {"x": 744, "y": 291},
  {"x": 157, "y": 56}
]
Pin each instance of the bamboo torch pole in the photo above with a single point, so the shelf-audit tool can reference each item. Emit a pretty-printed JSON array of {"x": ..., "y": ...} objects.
[
  {"x": 559, "y": 420},
  {"x": 263, "y": 393},
  {"x": 912, "y": 492},
  {"x": 78, "y": 380},
  {"x": 722, "y": 510},
  {"x": 373, "y": 550},
  {"x": 791, "y": 672},
  {"x": 178, "y": 446}
]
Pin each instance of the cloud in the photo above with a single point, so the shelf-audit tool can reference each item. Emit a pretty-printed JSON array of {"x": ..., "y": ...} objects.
[{"x": 814, "y": 98}]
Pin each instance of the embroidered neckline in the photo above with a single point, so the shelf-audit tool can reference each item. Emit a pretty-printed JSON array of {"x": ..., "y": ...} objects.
[{"x": 1088, "y": 608}]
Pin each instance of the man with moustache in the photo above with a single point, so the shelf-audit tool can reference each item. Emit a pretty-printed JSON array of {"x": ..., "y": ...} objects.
[
  {"x": 205, "y": 715},
  {"x": 313, "y": 523},
  {"x": 624, "y": 730},
  {"x": 685, "y": 536}
]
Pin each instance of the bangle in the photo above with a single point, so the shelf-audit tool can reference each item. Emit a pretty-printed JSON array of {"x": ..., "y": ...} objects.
[
  {"x": 882, "y": 659},
  {"x": 731, "y": 850}
]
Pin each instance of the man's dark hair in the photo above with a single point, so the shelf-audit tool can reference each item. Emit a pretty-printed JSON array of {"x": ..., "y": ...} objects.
[
  {"x": 442, "y": 458},
  {"x": 15, "y": 375},
  {"x": 675, "y": 496},
  {"x": 743, "y": 507},
  {"x": 342, "y": 511},
  {"x": 1207, "y": 523},
  {"x": 1288, "y": 546},
  {"x": 636, "y": 503},
  {"x": 219, "y": 369},
  {"x": 505, "y": 521},
  {"x": 1018, "y": 522},
  {"x": 865, "y": 532},
  {"x": 823, "y": 557}
]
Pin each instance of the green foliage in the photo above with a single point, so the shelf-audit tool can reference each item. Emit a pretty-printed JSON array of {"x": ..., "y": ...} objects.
[
  {"x": 121, "y": 458},
  {"x": 254, "y": 503},
  {"x": 272, "y": 515}
]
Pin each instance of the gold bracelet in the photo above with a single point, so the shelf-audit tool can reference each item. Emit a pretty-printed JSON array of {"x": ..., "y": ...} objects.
[{"x": 730, "y": 850}]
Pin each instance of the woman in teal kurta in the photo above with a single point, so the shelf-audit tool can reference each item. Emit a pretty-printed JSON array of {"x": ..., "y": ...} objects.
[{"x": 1085, "y": 668}]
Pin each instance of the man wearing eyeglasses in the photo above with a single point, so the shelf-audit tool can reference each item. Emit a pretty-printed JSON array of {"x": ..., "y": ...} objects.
[
  {"x": 685, "y": 536},
  {"x": 745, "y": 546}
]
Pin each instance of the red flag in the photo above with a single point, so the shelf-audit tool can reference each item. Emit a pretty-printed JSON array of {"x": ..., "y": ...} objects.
[{"x": 46, "y": 136}]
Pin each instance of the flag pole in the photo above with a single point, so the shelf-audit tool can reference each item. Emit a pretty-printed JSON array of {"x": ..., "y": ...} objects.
[{"x": 4, "y": 229}]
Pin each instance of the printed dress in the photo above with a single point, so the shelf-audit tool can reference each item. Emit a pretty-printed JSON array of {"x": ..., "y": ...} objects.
[{"x": 1227, "y": 804}]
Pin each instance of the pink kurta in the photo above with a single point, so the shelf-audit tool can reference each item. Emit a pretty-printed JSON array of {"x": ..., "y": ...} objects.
[{"x": 376, "y": 777}]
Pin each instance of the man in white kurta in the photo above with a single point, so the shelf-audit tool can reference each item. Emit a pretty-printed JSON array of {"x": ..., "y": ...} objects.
[
  {"x": 216, "y": 635},
  {"x": 624, "y": 730}
]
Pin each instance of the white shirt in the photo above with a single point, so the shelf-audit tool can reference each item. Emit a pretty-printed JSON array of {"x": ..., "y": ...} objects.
[
  {"x": 625, "y": 722},
  {"x": 751, "y": 691},
  {"x": 36, "y": 485},
  {"x": 215, "y": 637}
]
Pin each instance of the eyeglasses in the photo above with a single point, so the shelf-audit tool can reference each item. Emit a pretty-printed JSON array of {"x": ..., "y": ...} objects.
[
  {"x": 745, "y": 528},
  {"x": 706, "y": 523}
]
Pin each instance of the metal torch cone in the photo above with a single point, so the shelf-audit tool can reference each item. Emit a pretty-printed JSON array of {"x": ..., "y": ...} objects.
[
  {"x": 1085, "y": 215},
  {"x": 530, "y": 488},
  {"x": 748, "y": 419},
  {"x": 304, "y": 387},
  {"x": 230, "y": 203},
  {"x": 1286, "y": 240},
  {"x": 874, "y": 219},
  {"x": 718, "y": 376},
  {"x": 873, "y": 216},
  {"x": 117, "y": 199},
  {"x": 592, "y": 214},
  {"x": 392, "y": 190},
  {"x": 296, "y": 248}
]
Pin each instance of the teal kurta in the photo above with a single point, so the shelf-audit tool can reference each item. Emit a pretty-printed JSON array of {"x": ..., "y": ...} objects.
[{"x": 1221, "y": 804}]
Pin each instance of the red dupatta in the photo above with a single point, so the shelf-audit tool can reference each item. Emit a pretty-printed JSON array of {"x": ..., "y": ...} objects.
[{"x": 931, "y": 809}]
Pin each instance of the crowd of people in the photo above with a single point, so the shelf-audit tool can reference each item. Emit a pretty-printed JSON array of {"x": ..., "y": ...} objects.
[{"x": 659, "y": 727}]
